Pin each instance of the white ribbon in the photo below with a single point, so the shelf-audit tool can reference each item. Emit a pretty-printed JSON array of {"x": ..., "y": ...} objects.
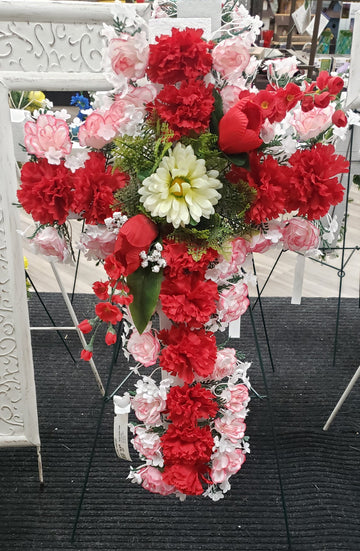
[{"x": 121, "y": 410}]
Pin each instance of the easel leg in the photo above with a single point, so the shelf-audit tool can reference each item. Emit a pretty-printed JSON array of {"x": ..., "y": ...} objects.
[
  {"x": 344, "y": 395},
  {"x": 40, "y": 467},
  {"x": 76, "y": 323}
]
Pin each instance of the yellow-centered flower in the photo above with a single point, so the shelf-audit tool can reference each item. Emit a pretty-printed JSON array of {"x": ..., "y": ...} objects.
[{"x": 181, "y": 189}]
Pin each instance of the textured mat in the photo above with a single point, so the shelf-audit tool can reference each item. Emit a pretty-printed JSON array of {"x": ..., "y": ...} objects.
[{"x": 320, "y": 471}]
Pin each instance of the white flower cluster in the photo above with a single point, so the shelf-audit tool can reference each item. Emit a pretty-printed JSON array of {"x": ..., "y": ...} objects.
[
  {"x": 115, "y": 222},
  {"x": 154, "y": 258}
]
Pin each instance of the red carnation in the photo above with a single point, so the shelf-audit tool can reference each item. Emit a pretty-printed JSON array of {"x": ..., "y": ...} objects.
[
  {"x": 108, "y": 312},
  {"x": 185, "y": 478},
  {"x": 181, "y": 56},
  {"x": 190, "y": 299},
  {"x": 270, "y": 180},
  {"x": 179, "y": 260},
  {"x": 188, "y": 352},
  {"x": 187, "y": 404},
  {"x": 314, "y": 186},
  {"x": 187, "y": 444},
  {"x": 94, "y": 187},
  {"x": 186, "y": 109},
  {"x": 46, "y": 191},
  {"x": 239, "y": 128},
  {"x": 136, "y": 235}
]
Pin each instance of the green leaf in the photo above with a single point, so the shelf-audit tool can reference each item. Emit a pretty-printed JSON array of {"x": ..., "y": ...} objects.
[
  {"x": 145, "y": 287},
  {"x": 217, "y": 113},
  {"x": 239, "y": 159}
]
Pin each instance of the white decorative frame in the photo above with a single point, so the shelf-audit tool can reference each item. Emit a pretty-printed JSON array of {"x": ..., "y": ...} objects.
[{"x": 38, "y": 50}]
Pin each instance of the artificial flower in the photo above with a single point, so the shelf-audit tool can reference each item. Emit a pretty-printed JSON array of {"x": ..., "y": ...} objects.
[
  {"x": 144, "y": 348},
  {"x": 187, "y": 352},
  {"x": 188, "y": 404},
  {"x": 47, "y": 137},
  {"x": 300, "y": 235},
  {"x": 135, "y": 235},
  {"x": 183, "y": 55},
  {"x": 240, "y": 127},
  {"x": 181, "y": 189},
  {"x": 46, "y": 191},
  {"x": 187, "y": 108},
  {"x": 108, "y": 312}
]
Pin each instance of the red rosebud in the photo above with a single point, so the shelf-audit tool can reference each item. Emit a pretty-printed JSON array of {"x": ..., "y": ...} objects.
[
  {"x": 307, "y": 103},
  {"x": 322, "y": 100},
  {"x": 335, "y": 85},
  {"x": 339, "y": 118},
  {"x": 239, "y": 128},
  {"x": 322, "y": 80},
  {"x": 101, "y": 290},
  {"x": 86, "y": 355},
  {"x": 110, "y": 338},
  {"x": 85, "y": 326},
  {"x": 136, "y": 235},
  {"x": 108, "y": 312}
]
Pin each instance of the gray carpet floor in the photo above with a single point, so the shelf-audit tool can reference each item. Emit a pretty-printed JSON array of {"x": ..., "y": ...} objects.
[{"x": 320, "y": 471}]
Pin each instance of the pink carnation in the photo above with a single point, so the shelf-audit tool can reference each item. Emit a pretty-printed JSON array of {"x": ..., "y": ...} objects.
[
  {"x": 231, "y": 427},
  {"x": 49, "y": 243},
  {"x": 97, "y": 242},
  {"x": 152, "y": 481},
  {"x": 96, "y": 131},
  {"x": 300, "y": 235},
  {"x": 239, "y": 396},
  {"x": 225, "y": 464},
  {"x": 225, "y": 364},
  {"x": 230, "y": 57},
  {"x": 129, "y": 55},
  {"x": 47, "y": 137},
  {"x": 224, "y": 269},
  {"x": 144, "y": 348},
  {"x": 148, "y": 444},
  {"x": 233, "y": 302}
]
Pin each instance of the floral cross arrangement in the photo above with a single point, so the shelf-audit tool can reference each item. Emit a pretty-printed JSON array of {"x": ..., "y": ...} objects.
[{"x": 180, "y": 173}]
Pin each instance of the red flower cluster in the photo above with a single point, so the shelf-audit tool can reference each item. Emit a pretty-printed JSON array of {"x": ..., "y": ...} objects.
[
  {"x": 180, "y": 56},
  {"x": 188, "y": 352},
  {"x": 321, "y": 92},
  {"x": 49, "y": 192},
  {"x": 186, "y": 109},
  {"x": 94, "y": 187},
  {"x": 310, "y": 185},
  {"x": 46, "y": 191}
]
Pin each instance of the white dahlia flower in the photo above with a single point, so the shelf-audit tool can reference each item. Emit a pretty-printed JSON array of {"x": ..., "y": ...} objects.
[{"x": 181, "y": 189}]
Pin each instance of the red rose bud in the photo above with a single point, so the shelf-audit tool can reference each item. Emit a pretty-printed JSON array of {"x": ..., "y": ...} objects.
[
  {"x": 322, "y": 100},
  {"x": 335, "y": 85},
  {"x": 307, "y": 103},
  {"x": 239, "y": 128},
  {"x": 86, "y": 355},
  {"x": 339, "y": 118},
  {"x": 110, "y": 337},
  {"x": 136, "y": 235},
  {"x": 322, "y": 80},
  {"x": 85, "y": 326}
]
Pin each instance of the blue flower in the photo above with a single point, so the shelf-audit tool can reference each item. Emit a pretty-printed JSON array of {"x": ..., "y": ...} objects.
[{"x": 80, "y": 101}]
